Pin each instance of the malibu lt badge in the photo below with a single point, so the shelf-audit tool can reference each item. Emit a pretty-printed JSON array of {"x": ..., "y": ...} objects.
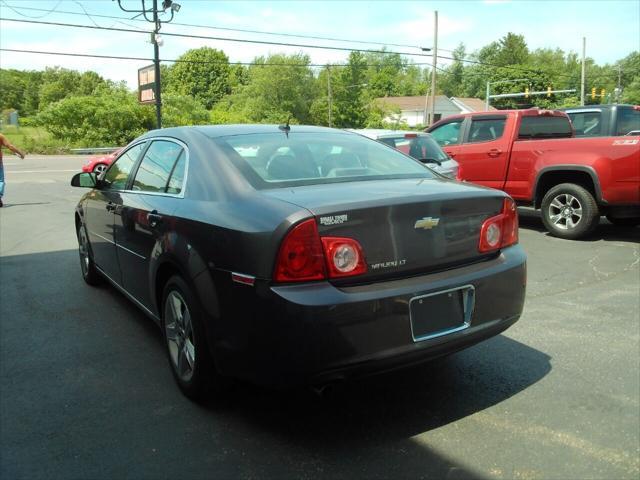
[{"x": 427, "y": 223}]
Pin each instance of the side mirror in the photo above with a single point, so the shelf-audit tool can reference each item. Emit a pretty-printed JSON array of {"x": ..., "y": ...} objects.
[{"x": 85, "y": 180}]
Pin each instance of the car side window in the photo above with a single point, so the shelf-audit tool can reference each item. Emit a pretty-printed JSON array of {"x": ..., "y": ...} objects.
[
  {"x": 448, "y": 134},
  {"x": 486, "y": 129},
  {"x": 586, "y": 124},
  {"x": 628, "y": 121},
  {"x": 156, "y": 166},
  {"x": 177, "y": 176},
  {"x": 118, "y": 174}
]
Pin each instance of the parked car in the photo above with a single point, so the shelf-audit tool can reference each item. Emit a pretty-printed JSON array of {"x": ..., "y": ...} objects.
[
  {"x": 298, "y": 255},
  {"x": 98, "y": 164},
  {"x": 533, "y": 156},
  {"x": 605, "y": 120},
  {"x": 419, "y": 145}
]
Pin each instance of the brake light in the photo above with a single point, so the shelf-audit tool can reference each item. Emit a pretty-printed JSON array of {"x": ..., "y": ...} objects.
[
  {"x": 500, "y": 231},
  {"x": 344, "y": 257},
  {"x": 410, "y": 135},
  {"x": 300, "y": 257},
  {"x": 305, "y": 256}
]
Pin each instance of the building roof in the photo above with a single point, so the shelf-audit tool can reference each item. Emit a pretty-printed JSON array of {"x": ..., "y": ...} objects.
[
  {"x": 471, "y": 104},
  {"x": 410, "y": 103}
]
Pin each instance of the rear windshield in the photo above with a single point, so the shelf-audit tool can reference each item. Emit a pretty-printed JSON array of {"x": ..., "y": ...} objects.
[
  {"x": 272, "y": 160},
  {"x": 420, "y": 147},
  {"x": 545, "y": 126}
]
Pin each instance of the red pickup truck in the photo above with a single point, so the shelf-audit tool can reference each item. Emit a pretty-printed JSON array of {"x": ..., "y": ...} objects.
[{"x": 534, "y": 156}]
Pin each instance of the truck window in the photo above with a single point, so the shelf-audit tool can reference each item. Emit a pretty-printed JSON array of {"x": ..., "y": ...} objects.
[
  {"x": 449, "y": 133},
  {"x": 587, "y": 124},
  {"x": 628, "y": 120},
  {"x": 544, "y": 126},
  {"x": 486, "y": 130}
]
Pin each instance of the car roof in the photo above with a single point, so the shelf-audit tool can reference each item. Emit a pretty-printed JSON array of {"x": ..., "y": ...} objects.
[
  {"x": 216, "y": 131},
  {"x": 377, "y": 133}
]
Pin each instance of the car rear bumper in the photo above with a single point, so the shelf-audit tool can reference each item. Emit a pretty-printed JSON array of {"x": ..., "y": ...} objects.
[{"x": 318, "y": 333}]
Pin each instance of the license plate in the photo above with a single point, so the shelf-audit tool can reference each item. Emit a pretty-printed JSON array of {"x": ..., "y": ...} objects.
[{"x": 441, "y": 313}]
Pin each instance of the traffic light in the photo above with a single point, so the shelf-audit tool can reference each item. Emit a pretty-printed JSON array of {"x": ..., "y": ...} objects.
[
  {"x": 602, "y": 93},
  {"x": 548, "y": 92},
  {"x": 593, "y": 93},
  {"x": 526, "y": 92}
]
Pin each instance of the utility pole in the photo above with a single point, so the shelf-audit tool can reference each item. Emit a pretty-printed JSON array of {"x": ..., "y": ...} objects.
[
  {"x": 157, "y": 24},
  {"x": 156, "y": 62},
  {"x": 432, "y": 111},
  {"x": 584, "y": 48},
  {"x": 329, "y": 93}
]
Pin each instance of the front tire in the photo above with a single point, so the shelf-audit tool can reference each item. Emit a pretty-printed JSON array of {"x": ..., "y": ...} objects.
[
  {"x": 624, "y": 222},
  {"x": 185, "y": 341},
  {"x": 89, "y": 271},
  {"x": 569, "y": 211}
]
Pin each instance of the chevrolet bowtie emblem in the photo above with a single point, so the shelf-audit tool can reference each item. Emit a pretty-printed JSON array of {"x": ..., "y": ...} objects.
[{"x": 427, "y": 223}]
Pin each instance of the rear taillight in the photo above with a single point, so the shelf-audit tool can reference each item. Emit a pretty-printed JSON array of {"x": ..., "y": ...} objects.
[
  {"x": 500, "y": 231},
  {"x": 305, "y": 256},
  {"x": 300, "y": 257},
  {"x": 344, "y": 257}
]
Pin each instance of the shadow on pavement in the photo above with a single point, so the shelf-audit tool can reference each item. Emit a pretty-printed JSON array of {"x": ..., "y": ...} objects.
[
  {"x": 530, "y": 219},
  {"x": 88, "y": 392}
]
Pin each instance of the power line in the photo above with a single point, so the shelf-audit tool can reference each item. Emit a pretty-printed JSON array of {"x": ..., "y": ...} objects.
[
  {"x": 118, "y": 57},
  {"x": 242, "y": 30},
  {"x": 264, "y": 42},
  {"x": 205, "y": 37},
  {"x": 47, "y": 12}
]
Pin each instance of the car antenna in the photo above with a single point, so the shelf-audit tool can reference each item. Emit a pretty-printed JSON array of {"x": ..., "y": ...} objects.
[{"x": 286, "y": 128}]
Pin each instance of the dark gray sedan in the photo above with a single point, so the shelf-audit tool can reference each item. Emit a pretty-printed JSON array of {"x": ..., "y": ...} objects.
[{"x": 298, "y": 255}]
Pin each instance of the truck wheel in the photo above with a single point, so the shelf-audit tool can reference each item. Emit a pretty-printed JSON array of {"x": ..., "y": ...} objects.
[
  {"x": 624, "y": 222},
  {"x": 569, "y": 211}
]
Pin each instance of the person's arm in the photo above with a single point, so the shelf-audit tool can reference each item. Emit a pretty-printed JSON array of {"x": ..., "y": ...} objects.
[{"x": 5, "y": 143}]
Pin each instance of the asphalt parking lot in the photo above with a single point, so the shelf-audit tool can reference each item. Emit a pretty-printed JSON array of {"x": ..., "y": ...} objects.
[{"x": 86, "y": 392}]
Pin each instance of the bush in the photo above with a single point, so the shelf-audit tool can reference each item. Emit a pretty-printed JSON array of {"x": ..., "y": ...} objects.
[{"x": 109, "y": 119}]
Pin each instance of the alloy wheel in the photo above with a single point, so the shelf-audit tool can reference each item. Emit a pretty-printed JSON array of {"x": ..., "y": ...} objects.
[
  {"x": 99, "y": 169},
  {"x": 565, "y": 211},
  {"x": 83, "y": 249},
  {"x": 179, "y": 334}
]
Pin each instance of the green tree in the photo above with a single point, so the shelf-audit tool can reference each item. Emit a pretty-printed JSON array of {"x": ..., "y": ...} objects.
[
  {"x": 279, "y": 87},
  {"x": 512, "y": 50},
  {"x": 180, "y": 110},
  {"x": 202, "y": 73}
]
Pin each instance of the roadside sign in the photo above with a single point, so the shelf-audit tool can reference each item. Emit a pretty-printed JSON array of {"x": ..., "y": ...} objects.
[{"x": 147, "y": 84}]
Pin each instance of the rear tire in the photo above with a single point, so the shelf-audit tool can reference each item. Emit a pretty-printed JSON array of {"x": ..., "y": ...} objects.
[
  {"x": 624, "y": 222},
  {"x": 569, "y": 211},
  {"x": 186, "y": 342},
  {"x": 89, "y": 271}
]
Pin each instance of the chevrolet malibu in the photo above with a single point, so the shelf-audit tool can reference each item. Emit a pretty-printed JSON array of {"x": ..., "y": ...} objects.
[{"x": 289, "y": 255}]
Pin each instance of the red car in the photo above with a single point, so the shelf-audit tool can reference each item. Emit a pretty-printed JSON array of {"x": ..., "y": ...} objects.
[{"x": 100, "y": 163}]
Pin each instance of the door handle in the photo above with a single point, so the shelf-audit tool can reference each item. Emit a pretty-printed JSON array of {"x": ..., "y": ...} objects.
[
  {"x": 111, "y": 207},
  {"x": 154, "y": 218},
  {"x": 494, "y": 152}
]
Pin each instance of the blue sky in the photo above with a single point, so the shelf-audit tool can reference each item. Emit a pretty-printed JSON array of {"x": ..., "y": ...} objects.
[{"x": 612, "y": 28}]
